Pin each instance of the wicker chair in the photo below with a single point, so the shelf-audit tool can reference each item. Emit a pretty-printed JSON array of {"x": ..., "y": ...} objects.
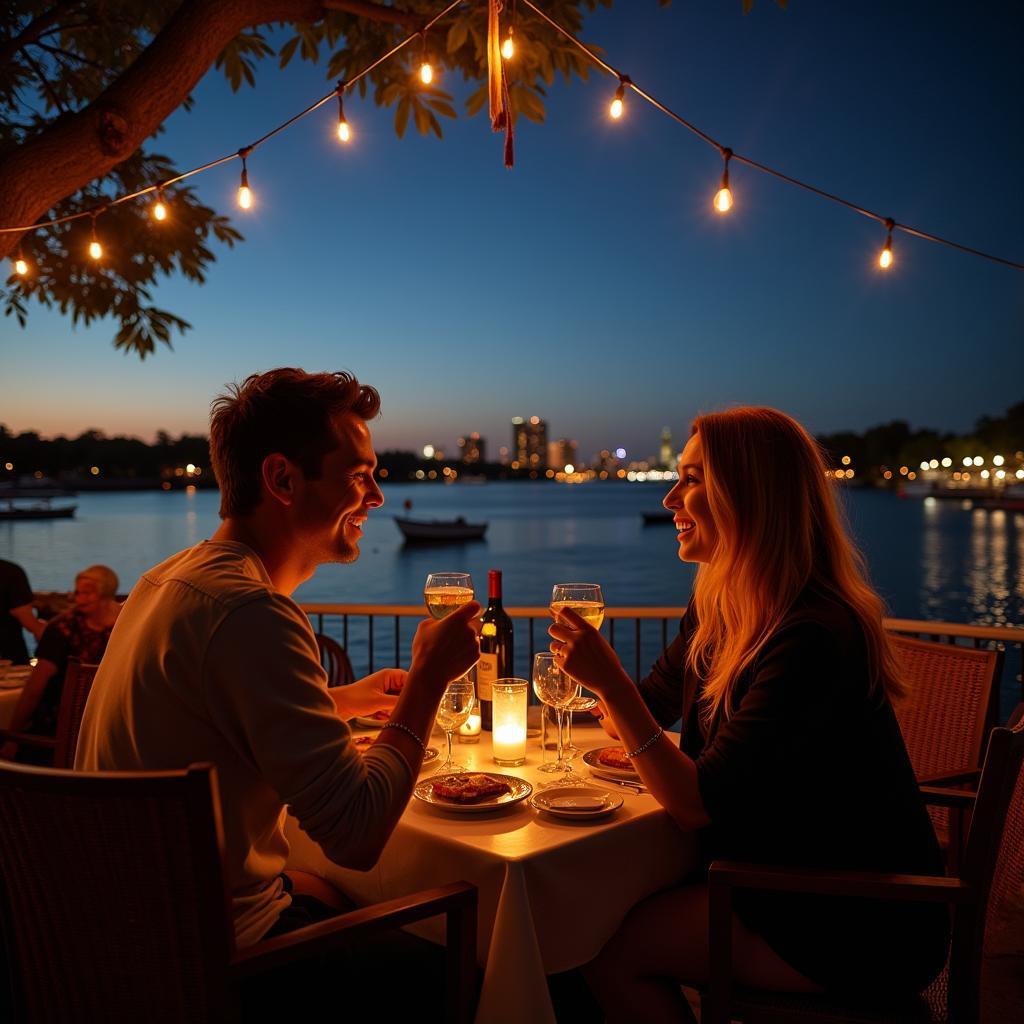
[
  {"x": 983, "y": 897},
  {"x": 78, "y": 677},
  {"x": 335, "y": 661},
  {"x": 115, "y": 906}
]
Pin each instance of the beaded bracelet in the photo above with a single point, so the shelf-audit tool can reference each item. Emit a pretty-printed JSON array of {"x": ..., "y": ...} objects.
[
  {"x": 407, "y": 731},
  {"x": 644, "y": 746}
]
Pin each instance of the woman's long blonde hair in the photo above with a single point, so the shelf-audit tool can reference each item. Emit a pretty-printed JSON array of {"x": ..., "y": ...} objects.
[{"x": 779, "y": 528}]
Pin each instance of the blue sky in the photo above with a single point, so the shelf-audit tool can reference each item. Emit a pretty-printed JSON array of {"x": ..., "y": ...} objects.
[{"x": 593, "y": 284}]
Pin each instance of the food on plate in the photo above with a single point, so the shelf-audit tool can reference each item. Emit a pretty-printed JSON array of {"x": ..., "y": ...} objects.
[
  {"x": 468, "y": 787},
  {"x": 616, "y": 757},
  {"x": 380, "y": 716},
  {"x": 363, "y": 742}
]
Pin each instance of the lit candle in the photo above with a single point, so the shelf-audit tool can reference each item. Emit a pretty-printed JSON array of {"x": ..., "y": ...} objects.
[
  {"x": 469, "y": 731},
  {"x": 508, "y": 709}
]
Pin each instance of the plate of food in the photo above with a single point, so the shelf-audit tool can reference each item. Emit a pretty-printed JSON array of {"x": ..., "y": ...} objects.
[
  {"x": 611, "y": 763},
  {"x": 576, "y": 801},
  {"x": 469, "y": 792},
  {"x": 364, "y": 742},
  {"x": 374, "y": 721}
]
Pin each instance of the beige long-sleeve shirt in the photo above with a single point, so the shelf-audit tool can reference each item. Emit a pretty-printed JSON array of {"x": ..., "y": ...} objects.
[{"x": 207, "y": 662}]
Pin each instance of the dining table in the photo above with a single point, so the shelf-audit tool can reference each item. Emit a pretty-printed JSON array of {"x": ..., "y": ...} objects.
[{"x": 552, "y": 890}]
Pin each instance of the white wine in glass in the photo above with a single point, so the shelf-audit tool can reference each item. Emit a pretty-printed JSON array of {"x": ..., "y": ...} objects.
[
  {"x": 446, "y": 591},
  {"x": 585, "y": 599},
  {"x": 452, "y": 712}
]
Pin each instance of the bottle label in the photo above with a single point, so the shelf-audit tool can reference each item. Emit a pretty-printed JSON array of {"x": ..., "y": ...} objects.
[{"x": 486, "y": 673}]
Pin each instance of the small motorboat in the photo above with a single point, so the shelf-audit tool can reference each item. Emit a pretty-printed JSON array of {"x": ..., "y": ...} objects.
[
  {"x": 38, "y": 499},
  {"x": 657, "y": 518},
  {"x": 439, "y": 531}
]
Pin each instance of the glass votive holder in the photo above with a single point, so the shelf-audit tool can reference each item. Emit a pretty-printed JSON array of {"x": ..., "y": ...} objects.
[
  {"x": 469, "y": 731},
  {"x": 508, "y": 721}
]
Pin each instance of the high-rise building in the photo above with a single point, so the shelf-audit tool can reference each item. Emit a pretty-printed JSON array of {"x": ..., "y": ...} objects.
[
  {"x": 472, "y": 449},
  {"x": 667, "y": 457},
  {"x": 529, "y": 443},
  {"x": 562, "y": 453}
]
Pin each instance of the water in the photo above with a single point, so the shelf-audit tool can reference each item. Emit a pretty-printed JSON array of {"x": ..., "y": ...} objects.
[{"x": 929, "y": 559}]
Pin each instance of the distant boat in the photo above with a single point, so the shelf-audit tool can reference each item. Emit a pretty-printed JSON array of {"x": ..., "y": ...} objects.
[
  {"x": 439, "y": 531},
  {"x": 657, "y": 518},
  {"x": 38, "y": 507}
]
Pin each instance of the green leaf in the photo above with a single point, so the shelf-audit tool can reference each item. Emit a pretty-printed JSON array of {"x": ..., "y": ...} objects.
[
  {"x": 402, "y": 116},
  {"x": 288, "y": 51}
]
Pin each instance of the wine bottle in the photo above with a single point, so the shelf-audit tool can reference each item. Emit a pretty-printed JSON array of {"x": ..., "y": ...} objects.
[{"x": 496, "y": 638}]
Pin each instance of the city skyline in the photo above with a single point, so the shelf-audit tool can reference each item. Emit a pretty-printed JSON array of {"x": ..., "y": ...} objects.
[{"x": 616, "y": 300}]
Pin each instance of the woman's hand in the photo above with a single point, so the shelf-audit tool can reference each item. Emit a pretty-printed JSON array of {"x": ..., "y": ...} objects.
[
  {"x": 376, "y": 692},
  {"x": 602, "y": 715},
  {"x": 584, "y": 654}
]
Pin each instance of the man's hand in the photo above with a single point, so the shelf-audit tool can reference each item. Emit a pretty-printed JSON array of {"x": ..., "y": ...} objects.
[
  {"x": 581, "y": 652},
  {"x": 445, "y": 649},
  {"x": 377, "y": 692}
]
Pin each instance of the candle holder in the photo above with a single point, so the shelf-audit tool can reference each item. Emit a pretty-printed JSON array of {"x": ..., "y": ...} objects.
[
  {"x": 508, "y": 710},
  {"x": 470, "y": 731}
]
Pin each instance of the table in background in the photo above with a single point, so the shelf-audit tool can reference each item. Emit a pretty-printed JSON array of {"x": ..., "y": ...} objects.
[{"x": 552, "y": 892}]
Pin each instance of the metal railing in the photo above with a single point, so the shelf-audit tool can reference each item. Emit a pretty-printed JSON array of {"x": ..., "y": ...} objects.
[{"x": 638, "y": 634}]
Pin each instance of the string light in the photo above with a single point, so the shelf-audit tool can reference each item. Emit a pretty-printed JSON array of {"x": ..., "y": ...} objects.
[
  {"x": 723, "y": 197},
  {"x": 244, "y": 192},
  {"x": 95, "y": 249},
  {"x": 508, "y": 48},
  {"x": 344, "y": 130},
  {"x": 20, "y": 263},
  {"x": 885, "y": 256},
  {"x": 617, "y": 107},
  {"x": 426, "y": 69},
  {"x": 159, "y": 207}
]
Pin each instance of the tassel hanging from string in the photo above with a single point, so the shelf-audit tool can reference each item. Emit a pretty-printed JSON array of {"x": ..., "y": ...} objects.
[{"x": 497, "y": 83}]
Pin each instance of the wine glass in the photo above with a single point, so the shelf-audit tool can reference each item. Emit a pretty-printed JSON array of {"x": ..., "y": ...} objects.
[
  {"x": 446, "y": 591},
  {"x": 456, "y": 703},
  {"x": 587, "y": 601},
  {"x": 554, "y": 688}
]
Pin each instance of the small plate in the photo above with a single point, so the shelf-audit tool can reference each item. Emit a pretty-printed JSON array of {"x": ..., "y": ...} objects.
[
  {"x": 521, "y": 789},
  {"x": 590, "y": 759},
  {"x": 369, "y": 722},
  {"x": 576, "y": 802},
  {"x": 364, "y": 742}
]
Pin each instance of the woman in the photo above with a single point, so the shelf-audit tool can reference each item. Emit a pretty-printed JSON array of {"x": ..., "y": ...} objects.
[
  {"x": 790, "y": 752},
  {"x": 82, "y": 633}
]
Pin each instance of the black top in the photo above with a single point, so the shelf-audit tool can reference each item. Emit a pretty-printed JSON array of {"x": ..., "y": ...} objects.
[
  {"x": 14, "y": 592},
  {"x": 809, "y": 770}
]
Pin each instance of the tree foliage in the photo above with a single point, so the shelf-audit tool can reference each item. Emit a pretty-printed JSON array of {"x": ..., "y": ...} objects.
[{"x": 61, "y": 61}]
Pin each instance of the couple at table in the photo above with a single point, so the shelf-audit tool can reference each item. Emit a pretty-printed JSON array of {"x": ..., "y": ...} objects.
[{"x": 781, "y": 674}]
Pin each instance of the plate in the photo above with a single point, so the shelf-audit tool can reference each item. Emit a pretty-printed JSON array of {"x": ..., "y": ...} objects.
[
  {"x": 364, "y": 742},
  {"x": 12, "y": 678},
  {"x": 520, "y": 791},
  {"x": 590, "y": 759},
  {"x": 576, "y": 802}
]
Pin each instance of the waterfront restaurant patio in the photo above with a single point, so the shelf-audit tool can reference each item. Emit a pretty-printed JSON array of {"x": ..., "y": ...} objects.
[{"x": 516, "y": 885}]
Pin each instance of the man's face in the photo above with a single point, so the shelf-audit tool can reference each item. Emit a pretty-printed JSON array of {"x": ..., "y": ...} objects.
[
  {"x": 330, "y": 512},
  {"x": 86, "y": 595}
]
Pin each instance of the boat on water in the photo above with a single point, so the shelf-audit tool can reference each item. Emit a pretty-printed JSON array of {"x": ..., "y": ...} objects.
[
  {"x": 439, "y": 531},
  {"x": 34, "y": 503}
]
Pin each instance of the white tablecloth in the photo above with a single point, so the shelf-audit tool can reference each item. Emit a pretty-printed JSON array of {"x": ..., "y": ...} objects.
[{"x": 552, "y": 892}]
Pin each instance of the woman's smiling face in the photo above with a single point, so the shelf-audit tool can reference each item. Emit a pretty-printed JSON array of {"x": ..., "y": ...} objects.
[{"x": 688, "y": 500}]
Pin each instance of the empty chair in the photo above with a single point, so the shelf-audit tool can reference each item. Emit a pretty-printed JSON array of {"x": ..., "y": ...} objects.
[{"x": 335, "y": 661}]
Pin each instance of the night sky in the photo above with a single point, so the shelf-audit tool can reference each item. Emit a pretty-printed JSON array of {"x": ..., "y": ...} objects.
[{"x": 594, "y": 285}]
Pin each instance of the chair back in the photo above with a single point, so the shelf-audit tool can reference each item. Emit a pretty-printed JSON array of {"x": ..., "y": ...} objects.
[
  {"x": 335, "y": 661},
  {"x": 951, "y": 704},
  {"x": 112, "y": 894},
  {"x": 78, "y": 679},
  {"x": 993, "y": 863}
]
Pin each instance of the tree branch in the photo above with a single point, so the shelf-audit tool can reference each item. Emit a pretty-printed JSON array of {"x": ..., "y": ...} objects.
[
  {"x": 57, "y": 51},
  {"x": 44, "y": 81},
  {"x": 33, "y": 30},
  {"x": 376, "y": 12}
]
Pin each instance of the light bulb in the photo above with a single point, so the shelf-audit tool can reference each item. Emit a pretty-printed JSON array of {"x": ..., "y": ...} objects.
[
  {"x": 95, "y": 250},
  {"x": 426, "y": 73},
  {"x": 344, "y": 131},
  {"x": 616, "y": 108},
  {"x": 159, "y": 210},
  {"x": 723, "y": 200},
  {"x": 20, "y": 267},
  {"x": 885, "y": 258},
  {"x": 245, "y": 197},
  {"x": 508, "y": 48}
]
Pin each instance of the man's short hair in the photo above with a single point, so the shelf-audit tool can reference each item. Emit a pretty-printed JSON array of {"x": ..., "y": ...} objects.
[
  {"x": 103, "y": 576},
  {"x": 285, "y": 411}
]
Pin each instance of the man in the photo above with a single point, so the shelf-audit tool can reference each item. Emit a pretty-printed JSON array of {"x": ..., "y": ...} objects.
[
  {"x": 16, "y": 613},
  {"x": 211, "y": 660}
]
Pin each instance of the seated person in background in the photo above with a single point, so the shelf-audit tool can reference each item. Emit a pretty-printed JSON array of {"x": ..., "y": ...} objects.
[
  {"x": 790, "y": 753},
  {"x": 81, "y": 632},
  {"x": 16, "y": 613},
  {"x": 212, "y": 660}
]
